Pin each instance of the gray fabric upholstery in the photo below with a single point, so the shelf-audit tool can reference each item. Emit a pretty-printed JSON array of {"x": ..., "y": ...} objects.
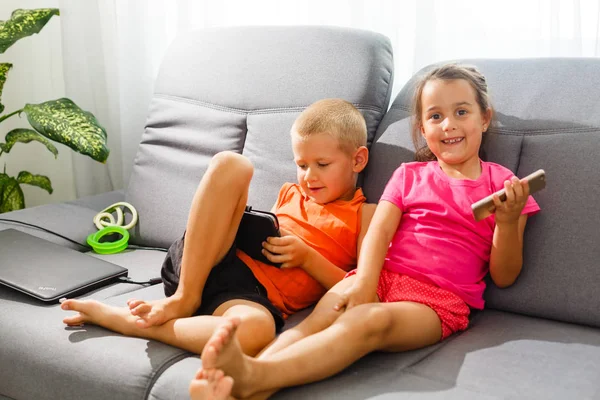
[
  {"x": 502, "y": 356},
  {"x": 73, "y": 219},
  {"x": 42, "y": 359},
  {"x": 533, "y": 130},
  {"x": 101, "y": 201},
  {"x": 240, "y": 89}
]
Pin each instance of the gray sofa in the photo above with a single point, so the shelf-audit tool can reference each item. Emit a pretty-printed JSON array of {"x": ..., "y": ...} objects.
[{"x": 240, "y": 89}]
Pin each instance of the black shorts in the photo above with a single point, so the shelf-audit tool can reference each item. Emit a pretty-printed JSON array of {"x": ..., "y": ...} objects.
[{"x": 230, "y": 279}]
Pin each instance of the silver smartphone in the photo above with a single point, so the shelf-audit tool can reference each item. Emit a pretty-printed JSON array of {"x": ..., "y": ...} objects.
[{"x": 485, "y": 207}]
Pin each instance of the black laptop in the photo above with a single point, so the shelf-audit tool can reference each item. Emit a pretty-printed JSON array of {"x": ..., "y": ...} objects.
[{"x": 48, "y": 271}]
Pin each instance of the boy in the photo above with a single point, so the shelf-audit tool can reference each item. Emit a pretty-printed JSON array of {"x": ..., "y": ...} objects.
[{"x": 323, "y": 219}]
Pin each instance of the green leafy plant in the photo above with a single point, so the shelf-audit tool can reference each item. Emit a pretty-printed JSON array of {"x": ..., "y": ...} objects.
[{"x": 58, "y": 120}]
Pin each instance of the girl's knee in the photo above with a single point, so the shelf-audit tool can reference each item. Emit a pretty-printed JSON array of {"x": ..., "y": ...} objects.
[{"x": 371, "y": 321}]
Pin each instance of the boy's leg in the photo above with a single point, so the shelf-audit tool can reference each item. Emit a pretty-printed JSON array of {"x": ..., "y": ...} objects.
[
  {"x": 256, "y": 331},
  {"x": 215, "y": 214},
  {"x": 374, "y": 326},
  {"x": 320, "y": 318}
]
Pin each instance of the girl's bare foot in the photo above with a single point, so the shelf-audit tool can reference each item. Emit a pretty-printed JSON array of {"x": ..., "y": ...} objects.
[
  {"x": 211, "y": 384},
  {"x": 116, "y": 319},
  {"x": 223, "y": 352},
  {"x": 154, "y": 313}
]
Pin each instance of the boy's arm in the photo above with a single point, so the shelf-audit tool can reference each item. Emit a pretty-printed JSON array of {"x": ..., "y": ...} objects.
[
  {"x": 327, "y": 273},
  {"x": 506, "y": 259}
]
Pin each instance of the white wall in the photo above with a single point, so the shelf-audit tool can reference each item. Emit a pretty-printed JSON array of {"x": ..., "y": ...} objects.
[{"x": 36, "y": 76}]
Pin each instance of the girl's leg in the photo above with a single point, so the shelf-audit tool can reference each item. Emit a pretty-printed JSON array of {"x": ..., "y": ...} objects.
[
  {"x": 257, "y": 327},
  {"x": 210, "y": 385},
  {"x": 375, "y": 326},
  {"x": 320, "y": 318},
  {"x": 214, "y": 217}
]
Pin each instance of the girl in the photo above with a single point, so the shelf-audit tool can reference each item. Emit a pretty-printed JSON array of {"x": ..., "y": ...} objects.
[{"x": 423, "y": 260}]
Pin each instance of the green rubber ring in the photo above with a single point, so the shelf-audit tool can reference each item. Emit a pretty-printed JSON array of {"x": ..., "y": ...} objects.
[{"x": 108, "y": 247}]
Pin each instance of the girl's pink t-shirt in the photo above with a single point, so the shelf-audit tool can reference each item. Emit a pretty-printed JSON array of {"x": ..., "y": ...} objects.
[{"x": 438, "y": 240}]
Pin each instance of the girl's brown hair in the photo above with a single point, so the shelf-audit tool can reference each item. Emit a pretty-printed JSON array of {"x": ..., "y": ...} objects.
[{"x": 446, "y": 72}]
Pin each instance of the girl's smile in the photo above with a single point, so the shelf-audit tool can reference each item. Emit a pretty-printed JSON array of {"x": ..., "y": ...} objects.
[
  {"x": 453, "y": 124},
  {"x": 452, "y": 141}
]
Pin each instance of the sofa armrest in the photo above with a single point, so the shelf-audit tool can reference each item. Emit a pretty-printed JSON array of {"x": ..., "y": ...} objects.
[{"x": 66, "y": 223}]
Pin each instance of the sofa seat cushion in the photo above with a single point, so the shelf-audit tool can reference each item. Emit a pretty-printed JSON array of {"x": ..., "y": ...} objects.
[
  {"x": 512, "y": 356},
  {"x": 501, "y": 356},
  {"x": 43, "y": 359}
]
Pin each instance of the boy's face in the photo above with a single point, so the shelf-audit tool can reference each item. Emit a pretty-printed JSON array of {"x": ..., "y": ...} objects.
[{"x": 325, "y": 172}]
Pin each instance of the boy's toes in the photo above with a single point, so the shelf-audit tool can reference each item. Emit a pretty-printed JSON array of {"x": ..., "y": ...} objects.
[
  {"x": 74, "y": 320},
  {"x": 133, "y": 303},
  {"x": 141, "y": 309},
  {"x": 84, "y": 306},
  {"x": 68, "y": 304},
  {"x": 142, "y": 323}
]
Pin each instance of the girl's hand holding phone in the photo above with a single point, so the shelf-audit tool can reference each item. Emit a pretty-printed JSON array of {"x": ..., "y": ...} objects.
[
  {"x": 509, "y": 211},
  {"x": 516, "y": 188}
]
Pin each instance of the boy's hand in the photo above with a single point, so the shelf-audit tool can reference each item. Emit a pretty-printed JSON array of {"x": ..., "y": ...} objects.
[
  {"x": 517, "y": 193},
  {"x": 289, "y": 250},
  {"x": 356, "y": 295}
]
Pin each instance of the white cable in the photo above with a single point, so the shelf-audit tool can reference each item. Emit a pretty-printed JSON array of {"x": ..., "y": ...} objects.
[{"x": 105, "y": 218}]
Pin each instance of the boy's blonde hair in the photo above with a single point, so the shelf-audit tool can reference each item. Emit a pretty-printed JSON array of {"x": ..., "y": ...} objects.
[{"x": 337, "y": 118}]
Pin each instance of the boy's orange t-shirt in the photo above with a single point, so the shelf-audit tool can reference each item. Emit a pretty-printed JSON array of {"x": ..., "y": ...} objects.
[{"x": 332, "y": 229}]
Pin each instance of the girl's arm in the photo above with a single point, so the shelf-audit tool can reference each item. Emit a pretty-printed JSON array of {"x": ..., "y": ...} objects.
[
  {"x": 372, "y": 255},
  {"x": 376, "y": 243},
  {"x": 506, "y": 258},
  {"x": 327, "y": 273}
]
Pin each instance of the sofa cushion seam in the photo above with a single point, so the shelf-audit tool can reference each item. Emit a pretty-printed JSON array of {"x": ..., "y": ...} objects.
[
  {"x": 256, "y": 111},
  {"x": 584, "y": 129},
  {"x": 544, "y": 132},
  {"x": 164, "y": 366}
]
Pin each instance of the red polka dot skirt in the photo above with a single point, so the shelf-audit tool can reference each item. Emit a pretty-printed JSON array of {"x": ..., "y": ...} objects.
[{"x": 451, "y": 309}]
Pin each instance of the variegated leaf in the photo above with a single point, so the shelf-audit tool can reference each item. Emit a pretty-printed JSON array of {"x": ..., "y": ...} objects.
[
  {"x": 64, "y": 122},
  {"x": 4, "y": 67},
  {"x": 11, "y": 194},
  {"x": 25, "y": 136},
  {"x": 23, "y": 23},
  {"x": 40, "y": 181}
]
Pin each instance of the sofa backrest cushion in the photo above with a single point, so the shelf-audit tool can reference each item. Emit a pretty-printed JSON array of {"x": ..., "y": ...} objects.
[
  {"x": 240, "y": 89},
  {"x": 547, "y": 116}
]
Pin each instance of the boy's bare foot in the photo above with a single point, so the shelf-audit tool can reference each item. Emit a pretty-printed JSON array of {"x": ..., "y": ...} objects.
[
  {"x": 154, "y": 313},
  {"x": 211, "y": 384},
  {"x": 116, "y": 319},
  {"x": 223, "y": 351}
]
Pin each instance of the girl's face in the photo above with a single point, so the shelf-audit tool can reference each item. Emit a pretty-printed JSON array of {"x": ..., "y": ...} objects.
[
  {"x": 452, "y": 122},
  {"x": 325, "y": 172}
]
